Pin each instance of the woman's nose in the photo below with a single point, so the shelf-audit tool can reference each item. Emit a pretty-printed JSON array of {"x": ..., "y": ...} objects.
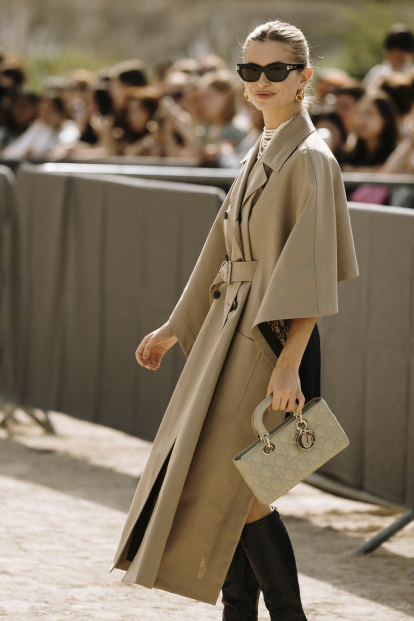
[{"x": 263, "y": 81}]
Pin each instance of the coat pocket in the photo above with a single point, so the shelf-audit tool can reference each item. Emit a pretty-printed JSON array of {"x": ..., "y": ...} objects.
[{"x": 238, "y": 367}]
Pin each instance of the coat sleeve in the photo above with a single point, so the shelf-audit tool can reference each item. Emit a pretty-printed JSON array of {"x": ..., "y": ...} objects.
[
  {"x": 192, "y": 308},
  {"x": 319, "y": 249}
]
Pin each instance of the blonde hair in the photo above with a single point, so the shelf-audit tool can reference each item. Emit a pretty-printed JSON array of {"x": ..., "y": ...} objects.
[{"x": 291, "y": 36}]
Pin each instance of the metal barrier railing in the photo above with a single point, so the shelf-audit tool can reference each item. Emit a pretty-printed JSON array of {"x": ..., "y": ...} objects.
[{"x": 218, "y": 177}]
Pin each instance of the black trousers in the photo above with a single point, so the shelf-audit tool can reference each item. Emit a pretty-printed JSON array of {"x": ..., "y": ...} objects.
[{"x": 310, "y": 367}]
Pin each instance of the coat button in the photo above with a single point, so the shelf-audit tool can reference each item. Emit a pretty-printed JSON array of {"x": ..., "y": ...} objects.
[
  {"x": 226, "y": 215},
  {"x": 216, "y": 294},
  {"x": 234, "y": 305}
]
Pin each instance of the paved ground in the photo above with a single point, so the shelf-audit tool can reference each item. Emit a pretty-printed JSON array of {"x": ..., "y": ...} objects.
[{"x": 63, "y": 505}]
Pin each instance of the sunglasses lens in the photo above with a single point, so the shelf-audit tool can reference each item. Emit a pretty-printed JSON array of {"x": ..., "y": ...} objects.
[
  {"x": 276, "y": 74},
  {"x": 273, "y": 73},
  {"x": 249, "y": 74}
]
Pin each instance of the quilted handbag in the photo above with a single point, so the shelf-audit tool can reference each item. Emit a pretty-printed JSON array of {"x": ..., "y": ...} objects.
[{"x": 283, "y": 457}]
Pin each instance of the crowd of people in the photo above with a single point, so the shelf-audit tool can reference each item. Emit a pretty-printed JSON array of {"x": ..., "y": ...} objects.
[{"x": 195, "y": 110}]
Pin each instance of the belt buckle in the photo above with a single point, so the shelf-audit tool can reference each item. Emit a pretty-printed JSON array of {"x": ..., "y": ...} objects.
[{"x": 230, "y": 264}]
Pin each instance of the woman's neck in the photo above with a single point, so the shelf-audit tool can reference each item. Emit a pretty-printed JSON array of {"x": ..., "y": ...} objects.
[{"x": 274, "y": 118}]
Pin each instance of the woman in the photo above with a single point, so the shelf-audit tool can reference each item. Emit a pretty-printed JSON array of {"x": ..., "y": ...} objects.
[
  {"x": 401, "y": 160},
  {"x": 217, "y": 111},
  {"x": 18, "y": 112},
  {"x": 330, "y": 127},
  {"x": 376, "y": 131},
  {"x": 400, "y": 88},
  {"x": 135, "y": 130},
  {"x": 246, "y": 322},
  {"x": 147, "y": 128},
  {"x": 347, "y": 98},
  {"x": 155, "y": 128},
  {"x": 49, "y": 136}
]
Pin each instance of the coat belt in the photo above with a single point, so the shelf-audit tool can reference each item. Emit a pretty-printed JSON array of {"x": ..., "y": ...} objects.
[
  {"x": 236, "y": 271},
  {"x": 231, "y": 272}
]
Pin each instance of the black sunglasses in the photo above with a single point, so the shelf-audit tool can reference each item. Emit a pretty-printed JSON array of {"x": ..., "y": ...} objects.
[{"x": 275, "y": 72}]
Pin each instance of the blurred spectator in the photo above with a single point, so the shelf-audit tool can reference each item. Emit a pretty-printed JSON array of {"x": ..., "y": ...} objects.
[
  {"x": 400, "y": 87},
  {"x": 48, "y": 136},
  {"x": 19, "y": 110},
  {"x": 329, "y": 126},
  {"x": 256, "y": 123},
  {"x": 376, "y": 132},
  {"x": 99, "y": 105},
  {"x": 167, "y": 130},
  {"x": 147, "y": 128},
  {"x": 182, "y": 89},
  {"x": 401, "y": 160},
  {"x": 122, "y": 77},
  {"x": 345, "y": 106},
  {"x": 212, "y": 62},
  {"x": 216, "y": 109},
  {"x": 190, "y": 66},
  {"x": 97, "y": 109},
  {"x": 398, "y": 54},
  {"x": 330, "y": 81},
  {"x": 12, "y": 78},
  {"x": 161, "y": 71},
  {"x": 78, "y": 94}
]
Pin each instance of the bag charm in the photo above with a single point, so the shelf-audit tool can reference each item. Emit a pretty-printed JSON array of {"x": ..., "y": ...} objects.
[{"x": 305, "y": 438}]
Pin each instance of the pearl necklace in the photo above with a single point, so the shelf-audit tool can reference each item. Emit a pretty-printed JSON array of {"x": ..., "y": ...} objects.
[{"x": 268, "y": 134}]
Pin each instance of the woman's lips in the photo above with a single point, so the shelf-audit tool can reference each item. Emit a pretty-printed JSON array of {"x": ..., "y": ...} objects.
[{"x": 264, "y": 95}]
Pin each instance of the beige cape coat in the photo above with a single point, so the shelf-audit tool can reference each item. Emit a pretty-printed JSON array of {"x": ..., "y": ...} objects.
[{"x": 287, "y": 256}]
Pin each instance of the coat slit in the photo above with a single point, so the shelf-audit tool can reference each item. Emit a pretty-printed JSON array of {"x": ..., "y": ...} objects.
[{"x": 141, "y": 524}]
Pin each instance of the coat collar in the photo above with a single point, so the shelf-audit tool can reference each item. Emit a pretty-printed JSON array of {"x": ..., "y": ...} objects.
[
  {"x": 276, "y": 154},
  {"x": 280, "y": 149}
]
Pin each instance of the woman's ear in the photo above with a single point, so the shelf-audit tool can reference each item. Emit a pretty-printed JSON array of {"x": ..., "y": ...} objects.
[{"x": 305, "y": 76}]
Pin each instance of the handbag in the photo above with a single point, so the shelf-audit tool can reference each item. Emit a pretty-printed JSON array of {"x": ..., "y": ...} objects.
[{"x": 298, "y": 446}]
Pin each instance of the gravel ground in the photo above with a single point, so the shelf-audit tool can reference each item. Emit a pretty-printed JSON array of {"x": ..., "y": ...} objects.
[{"x": 64, "y": 501}]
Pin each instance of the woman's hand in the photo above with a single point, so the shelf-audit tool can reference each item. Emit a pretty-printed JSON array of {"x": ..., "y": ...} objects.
[
  {"x": 284, "y": 382},
  {"x": 152, "y": 348},
  {"x": 285, "y": 386},
  {"x": 102, "y": 126}
]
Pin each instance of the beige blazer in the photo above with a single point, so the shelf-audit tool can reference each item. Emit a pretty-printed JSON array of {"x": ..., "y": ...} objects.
[{"x": 285, "y": 227}]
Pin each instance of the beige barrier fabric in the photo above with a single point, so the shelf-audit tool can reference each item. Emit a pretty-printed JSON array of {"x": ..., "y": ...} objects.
[
  {"x": 368, "y": 356},
  {"x": 6, "y": 213},
  {"x": 99, "y": 263}
]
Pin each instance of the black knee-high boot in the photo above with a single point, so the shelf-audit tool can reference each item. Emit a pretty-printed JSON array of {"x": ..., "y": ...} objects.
[
  {"x": 240, "y": 589},
  {"x": 268, "y": 547}
]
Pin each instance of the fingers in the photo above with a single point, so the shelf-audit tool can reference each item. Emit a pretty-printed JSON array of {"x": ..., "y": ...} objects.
[
  {"x": 277, "y": 401},
  {"x": 268, "y": 393},
  {"x": 145, "y": 355},
  {"x": 140, "y": 351},
  {"x": 286, "y": 402},
  {"x": 301, "y": 399},
  {"x": 149, "y": 346}
]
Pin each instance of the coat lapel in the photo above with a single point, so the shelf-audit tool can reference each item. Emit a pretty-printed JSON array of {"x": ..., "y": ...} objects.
[
  {"x": 276, "y": 154},
  {"x": 285, "y": 143},
  {"x": 238, "y": 192}
]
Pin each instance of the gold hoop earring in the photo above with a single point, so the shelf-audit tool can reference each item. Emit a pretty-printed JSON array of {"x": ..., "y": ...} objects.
[
  {"x": 299, "y": 96},
  {"x": 246, "y": 95}
]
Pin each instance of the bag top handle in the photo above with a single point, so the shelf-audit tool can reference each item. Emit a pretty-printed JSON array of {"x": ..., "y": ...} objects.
[
  {"x": 259, "y": 428},
  {"x": 257, "y": 417}
]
